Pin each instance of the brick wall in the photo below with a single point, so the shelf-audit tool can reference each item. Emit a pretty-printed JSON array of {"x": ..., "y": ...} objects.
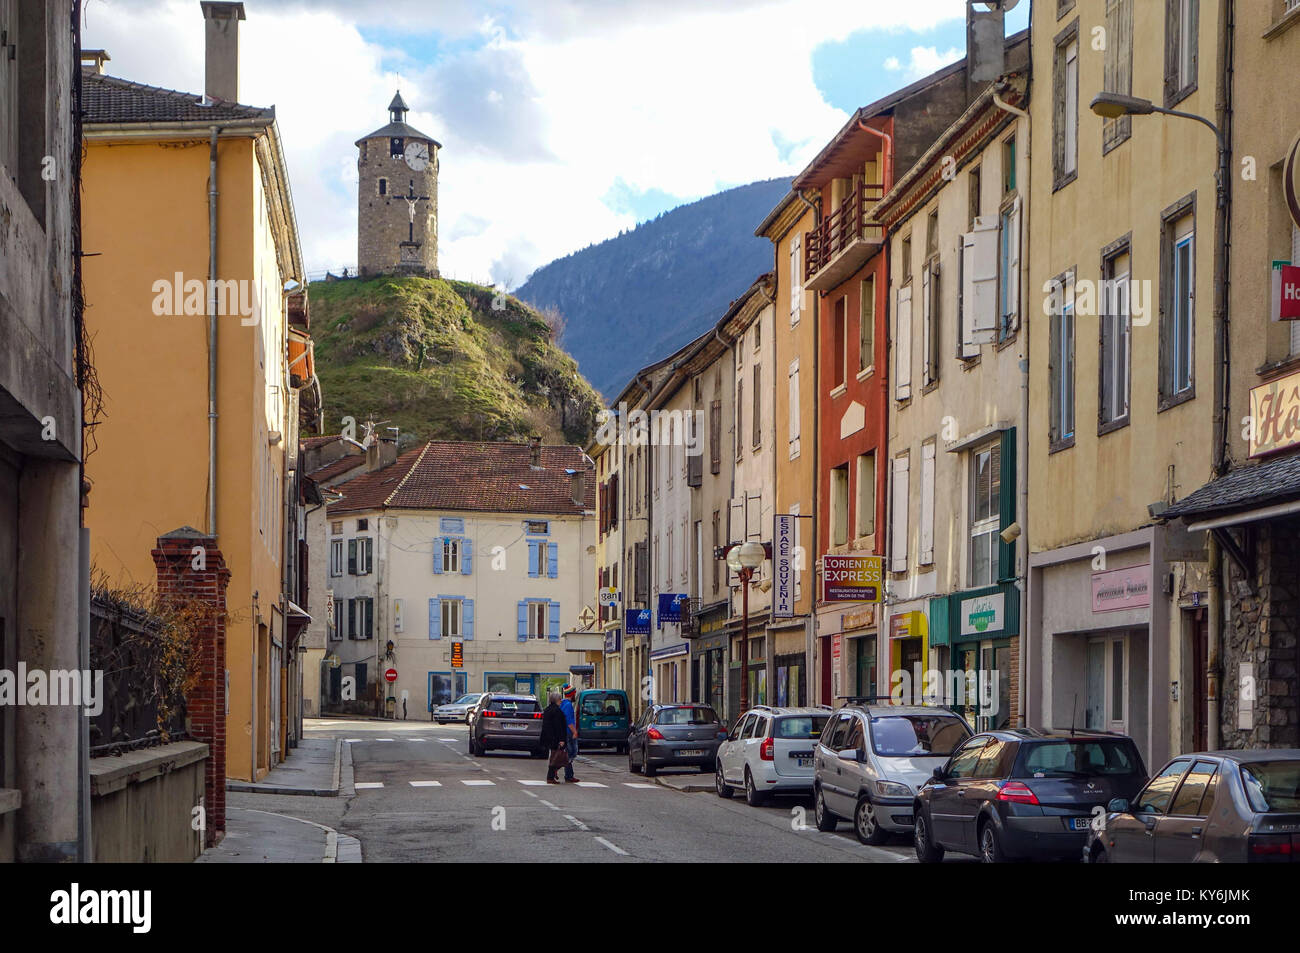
[{"x": 175, "y": 560}]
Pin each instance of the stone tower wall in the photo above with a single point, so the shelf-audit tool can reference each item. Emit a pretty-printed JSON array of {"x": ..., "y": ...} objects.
[{"x": 383, "y": 220}]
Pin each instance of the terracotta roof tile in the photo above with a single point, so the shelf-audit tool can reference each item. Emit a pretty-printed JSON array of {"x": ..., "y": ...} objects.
[
  {"x": 481, "y": 477},
  {"x": 338, "y": 467},
  {"x": 107, "y": 99}
]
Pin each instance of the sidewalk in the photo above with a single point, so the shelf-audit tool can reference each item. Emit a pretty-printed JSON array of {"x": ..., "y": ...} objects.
[
  {"x": 260, "y": 837},
  {"x": 311, "y": 768}
]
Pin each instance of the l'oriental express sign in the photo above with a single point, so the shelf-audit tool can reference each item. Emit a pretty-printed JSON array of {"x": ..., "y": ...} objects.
[{"x": 1274, "y": 416}]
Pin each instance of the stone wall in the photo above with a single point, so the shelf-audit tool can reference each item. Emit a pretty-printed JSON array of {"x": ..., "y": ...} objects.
[
  {"x": 143, "y": 804},
  {"x": 1264, "y": 622},
  {"x": 383, "y": 221}
]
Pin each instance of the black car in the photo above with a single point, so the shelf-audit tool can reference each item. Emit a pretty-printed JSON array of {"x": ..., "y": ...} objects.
[
  {"x": 1024, "y": 793},
  {"x": 677, "y": 735},
  {"x": 1211, "y": 807}
]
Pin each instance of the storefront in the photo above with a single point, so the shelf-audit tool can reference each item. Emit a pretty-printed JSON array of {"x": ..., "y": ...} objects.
[
  {"x": 757, "y": 680},
  {"x": 909, "y": 651},
  {"x": 788, "y": 666},
  {"x": 709, "y": 658},
  {"x": 613, "y": 662},
  {"x": 974, "y": 640},
  {"x": 671, "y": 667},
  {"x": 861, "y": 646}
]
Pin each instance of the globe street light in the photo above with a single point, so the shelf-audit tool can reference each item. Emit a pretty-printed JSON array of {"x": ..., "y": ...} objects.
[{"x": 743, "y": 559}]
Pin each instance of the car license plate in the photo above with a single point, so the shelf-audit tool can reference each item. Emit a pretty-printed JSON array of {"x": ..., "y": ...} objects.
[
  {"x": 690, "y": 752},
  {"x": 604, "y": 724},
  {"x": 1080, "y": 823},
  {"x": 509, "y": 727},
  {"x": 803, "y": 762}
]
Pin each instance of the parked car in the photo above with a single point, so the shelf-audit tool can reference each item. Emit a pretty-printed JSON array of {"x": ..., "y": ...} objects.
[
  {"x": 459, "y": 710},
  {"x": 769, "y": 751},
  {"x": 676, "y": 735},
  {"x": 1216, "y": 807},
  {"x": 603, "y": 718},
  {"x": 871, "y": 759},
  {"x": 509, "y": 721},
  {"x": 1024, "y": 793}
]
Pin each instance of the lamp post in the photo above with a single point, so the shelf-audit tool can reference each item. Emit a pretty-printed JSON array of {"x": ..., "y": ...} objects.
[{"x": 743, "y": 560}]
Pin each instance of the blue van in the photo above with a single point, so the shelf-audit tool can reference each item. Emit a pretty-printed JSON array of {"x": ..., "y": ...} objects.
[{"x": 603, "y": 718}]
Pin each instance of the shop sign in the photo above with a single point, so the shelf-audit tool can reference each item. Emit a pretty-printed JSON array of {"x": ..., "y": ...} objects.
[
  {"x": 861, "y": 619},
  {"x": 638, "y": 621},
  {"x": 983, "y": 614},
  {"x": 613, "y": 641},
  {"x": 1274, "y": 422},
  {"x": 908, "y": 625},
  {"x": 853, "y": 579},
  {"x": 1121, "y": 589},
  {"x": 783, "y": 567}
]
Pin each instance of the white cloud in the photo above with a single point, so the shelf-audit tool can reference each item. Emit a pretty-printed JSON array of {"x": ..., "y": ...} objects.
[{"x": 540, "y": 112}]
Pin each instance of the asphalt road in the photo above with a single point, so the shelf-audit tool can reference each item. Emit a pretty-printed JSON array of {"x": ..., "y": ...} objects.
[{"x": 420, "y": 797}]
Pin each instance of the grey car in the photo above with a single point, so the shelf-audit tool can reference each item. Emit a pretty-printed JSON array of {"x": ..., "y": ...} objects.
[
  {"x": 676, "y": 735},
  {"x": 459, "y": 710},
  {"x": 871, "y": 759},
  {"x": 509, "y": 721},
  {"x": 1211, "y": 807}
]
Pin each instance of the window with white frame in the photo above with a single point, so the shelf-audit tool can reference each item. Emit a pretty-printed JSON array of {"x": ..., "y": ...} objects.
[
  {"x": 1065, "y": 88},
  {"x": 1116, "y": 340},
  {"x": 985, "y": 513},
  {"x": 361, "y": 553},
  {"x": 451, "y": 554},
  {"x": 1179, "y": 336},
  {"x": 452, "y": 610},
  {"x": 336, "y": 557},
  {"x": 537, "y": 619},
  {"x": 1181, "y": 37},
  {"x": 1061, "y": 362}
]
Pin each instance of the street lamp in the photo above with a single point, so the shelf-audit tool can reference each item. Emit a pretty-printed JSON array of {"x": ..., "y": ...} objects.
[{"x": 743, "y": 560}]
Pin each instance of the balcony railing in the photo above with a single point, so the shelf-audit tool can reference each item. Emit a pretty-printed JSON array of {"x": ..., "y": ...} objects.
[{"x": 846, "y": 226}]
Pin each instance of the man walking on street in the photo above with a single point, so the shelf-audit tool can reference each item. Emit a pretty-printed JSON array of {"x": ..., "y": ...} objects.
[
  {"x": 554, "y": 735},
  {"x": 571, "y": 733}
]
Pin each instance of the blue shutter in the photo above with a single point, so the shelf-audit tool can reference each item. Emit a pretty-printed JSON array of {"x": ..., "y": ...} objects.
[
  {"x": 467, "y": 619},
  {"x": 534, "y": 557},
  {"x": 554, "y": 631},
  {"x": 435, "y": 619},
  {"x": 552, "y": 559},
  {"x": 466, "y": 556},
  {"x": 523, "y": 621},
  {"x": 437, "y": 555}
]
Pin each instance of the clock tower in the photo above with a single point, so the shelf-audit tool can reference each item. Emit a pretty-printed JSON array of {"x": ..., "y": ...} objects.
[{"x": 397, "y": 198}]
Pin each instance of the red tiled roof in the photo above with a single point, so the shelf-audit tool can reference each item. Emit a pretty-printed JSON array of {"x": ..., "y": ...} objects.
[
  {"x": 338, "y": 467},
  {"x": 311, "y": 443},
  {"x": 482, "y": 477}
]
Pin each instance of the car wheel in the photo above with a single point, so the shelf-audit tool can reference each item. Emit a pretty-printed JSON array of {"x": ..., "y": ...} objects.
[
  {"x": 824, "y": 819},
  {"x": 631, "y": 764},
  {"x": 753, "y": 796},
  {"x": 927, "y": 852},
  {"x": 650, "y": 769},
  {"x": 865, "y": 825},
  {"x": 720, "y": 783},
  {"x": 990, "y": 845}
]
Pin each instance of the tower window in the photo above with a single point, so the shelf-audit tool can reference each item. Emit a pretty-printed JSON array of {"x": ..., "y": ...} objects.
[
  {"x": 396, "y": 147},
  {"x": 383, "y": 186}
]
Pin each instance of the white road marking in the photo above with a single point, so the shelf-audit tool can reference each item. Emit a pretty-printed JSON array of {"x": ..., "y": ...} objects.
[
  {"x": 368, "y": 784},
  {"x": 353, "y": 741},
  {"x": 581, "y": 826},
  {"x": 549, "y": 804},
  {"x": 381, "y": 739},
  {"x": 590, "y": 784},
  {"x": 479, "y": 782},
  {"x": 531, "y": 782},
  {"x": 426, "y": 784},
  {"x": 614, "y": 847},
  {"x": 531, "y": 794},
  {"x": 636, "y": 784}
]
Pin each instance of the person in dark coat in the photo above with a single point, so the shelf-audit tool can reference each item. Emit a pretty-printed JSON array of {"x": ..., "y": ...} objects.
[{"x": 555, "y": 733}]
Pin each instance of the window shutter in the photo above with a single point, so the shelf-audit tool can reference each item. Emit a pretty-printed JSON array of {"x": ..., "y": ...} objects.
[
  {"x": 796, "y": 289},
  {"x": 1013, "y": 276},
  {"x": 352, "y": 557},
  {"x": 1007, "y": 504},
  {"x": 370, "y": 618},
  {"x": 736, "y": 521},
  {"x": 552, "y": 560},
  {"x": 1193, "y": 27},
  {"x": 695, "y": 465},
  {"x": 435, "y": 619},
  {"x": 553, "y": 621},
  {"x": 534, "y": 558},
  {"x": 467, "y": 620},
  {"x": 982, "y": 302},
  {"x": 927, "y": 328},
  {"x": 740, "y": 418},
  {"x": 927, "y": 503},
  {"x": 715, "y": 436},
  {"x": 966, "y": 344},
  {"x": 793, "y": 403},
  {"x": 898, "y": 517},
  {"x": 437, "y": 556},
  {"x": 1172, "y": 41},
  {"x": 642, "y": 552},
  {"x": 753, "y": 516},
  {"x": 903, "y": 345},
  {"x": 522, "y": 608},
  {"x": 466, "y": 556}
]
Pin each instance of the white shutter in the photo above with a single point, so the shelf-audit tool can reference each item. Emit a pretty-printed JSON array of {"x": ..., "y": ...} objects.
[
  {"x": 753, "y": 517},
  {"x": 927, "y": 504},
  {"x": 927, "y": 317},
  {"x": 796, "y": 285},
  {"x": 898, "y": 517},
  {"x": 903, "y": 344},
  {"x": 794, "y": 406},
  {"x": 967, "y": 346},
  {"x": 736, "y": 522},
  {"x": 981, "y": 304},
  {"x": 1013, "y": 266}
]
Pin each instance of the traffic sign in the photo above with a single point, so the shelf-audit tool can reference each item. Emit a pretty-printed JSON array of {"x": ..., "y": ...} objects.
[
  {"x": 587, "y": 616},
  {"x": 391, "y": 675}
]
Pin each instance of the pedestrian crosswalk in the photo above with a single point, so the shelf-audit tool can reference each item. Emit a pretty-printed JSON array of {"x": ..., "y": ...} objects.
[{"x": 486, "y": 782}]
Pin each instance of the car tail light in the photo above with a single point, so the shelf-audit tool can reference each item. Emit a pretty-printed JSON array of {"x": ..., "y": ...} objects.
[
  {"x": 765, "y": 749},
  {"x": 655, "y": 734},
  {"x": 1271, "y": 848},
  {"x": 1018, "y": 793},
  {"x": 491, "y": 714},
  {"x": 537, "y": 715}
]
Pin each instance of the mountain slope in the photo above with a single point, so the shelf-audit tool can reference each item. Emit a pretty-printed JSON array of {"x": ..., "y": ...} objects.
[
  {"x": 636, "y": 298},
  {"x": 445, "y": 360}
]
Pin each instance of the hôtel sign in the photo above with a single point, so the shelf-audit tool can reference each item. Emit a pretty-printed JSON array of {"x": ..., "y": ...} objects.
[{"x": 1274, "y": 416}]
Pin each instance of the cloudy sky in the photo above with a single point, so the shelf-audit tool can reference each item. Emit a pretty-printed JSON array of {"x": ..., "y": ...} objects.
[{"x": 562, "y": 121}]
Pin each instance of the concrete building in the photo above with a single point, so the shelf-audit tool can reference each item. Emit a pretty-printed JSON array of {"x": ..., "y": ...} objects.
[
  {"x": 43, "y": 367},
  {"x": 611, "y": 570},
  {"x": 1122, "y": 354},
  {"x": 194, "y": 278},
  {"x": 954, "y": 222},
  {"x": 485, "y": 546},
  {"x": 397, "y": 198}
]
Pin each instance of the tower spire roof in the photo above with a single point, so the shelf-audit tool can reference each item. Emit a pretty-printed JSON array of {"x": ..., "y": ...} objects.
[{"x": 398, "y": 104}]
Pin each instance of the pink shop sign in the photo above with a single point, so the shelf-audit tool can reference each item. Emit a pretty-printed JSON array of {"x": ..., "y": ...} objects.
[{"x": 1122, "y": 589}]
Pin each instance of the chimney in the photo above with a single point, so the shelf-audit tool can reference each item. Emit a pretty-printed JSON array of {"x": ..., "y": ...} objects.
[
  {"x": 95, "y": 60},
  {"x": 221, "y": 46},
  {"x": 578, "y": 487},
  {"x": 535, "y": 452}
]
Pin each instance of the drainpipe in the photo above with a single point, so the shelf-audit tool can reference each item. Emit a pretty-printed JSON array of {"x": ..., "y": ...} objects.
[
  {"x": 887, "y": 173},
  {"x": 212, "y": 333}
]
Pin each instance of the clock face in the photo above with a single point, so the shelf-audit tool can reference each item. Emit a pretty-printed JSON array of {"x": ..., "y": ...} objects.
[{"x": 417, "y": 155}]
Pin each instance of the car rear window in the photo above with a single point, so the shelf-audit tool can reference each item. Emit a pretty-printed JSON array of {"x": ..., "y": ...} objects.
[
  {"x": 1272, "y": 786},
  {"x": 1069, "y": 758},
  {"x": 701, "y": 715},
  {"x": 801, "y": 727},
  {"x": 902, "y": 736},
  {"x": 604, "y": 705},
  {"x": 512, "y": 705}
]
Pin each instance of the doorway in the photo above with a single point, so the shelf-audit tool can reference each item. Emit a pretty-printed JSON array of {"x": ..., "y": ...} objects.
[{"x": 1106, "y": 681}]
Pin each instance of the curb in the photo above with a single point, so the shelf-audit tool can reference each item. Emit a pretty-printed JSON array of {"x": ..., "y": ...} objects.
[
  {"x": 684, "y": 786},
  {"x": 339, "y": 848}
]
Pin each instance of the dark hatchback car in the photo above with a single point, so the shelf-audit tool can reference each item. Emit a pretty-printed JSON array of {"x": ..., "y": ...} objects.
[
  {"x": 506, "y": 721},
  {"x": 677, "y": 735},
  {"x": 1215, "y": 807},
  {"x": 1023, "y": 793}
]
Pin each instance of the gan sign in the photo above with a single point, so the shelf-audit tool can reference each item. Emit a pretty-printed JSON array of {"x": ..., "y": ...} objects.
[{"x": 852, "y": 579}]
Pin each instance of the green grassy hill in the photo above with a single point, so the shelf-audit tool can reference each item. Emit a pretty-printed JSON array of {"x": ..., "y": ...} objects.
[{"x": 435, "y": 358}]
